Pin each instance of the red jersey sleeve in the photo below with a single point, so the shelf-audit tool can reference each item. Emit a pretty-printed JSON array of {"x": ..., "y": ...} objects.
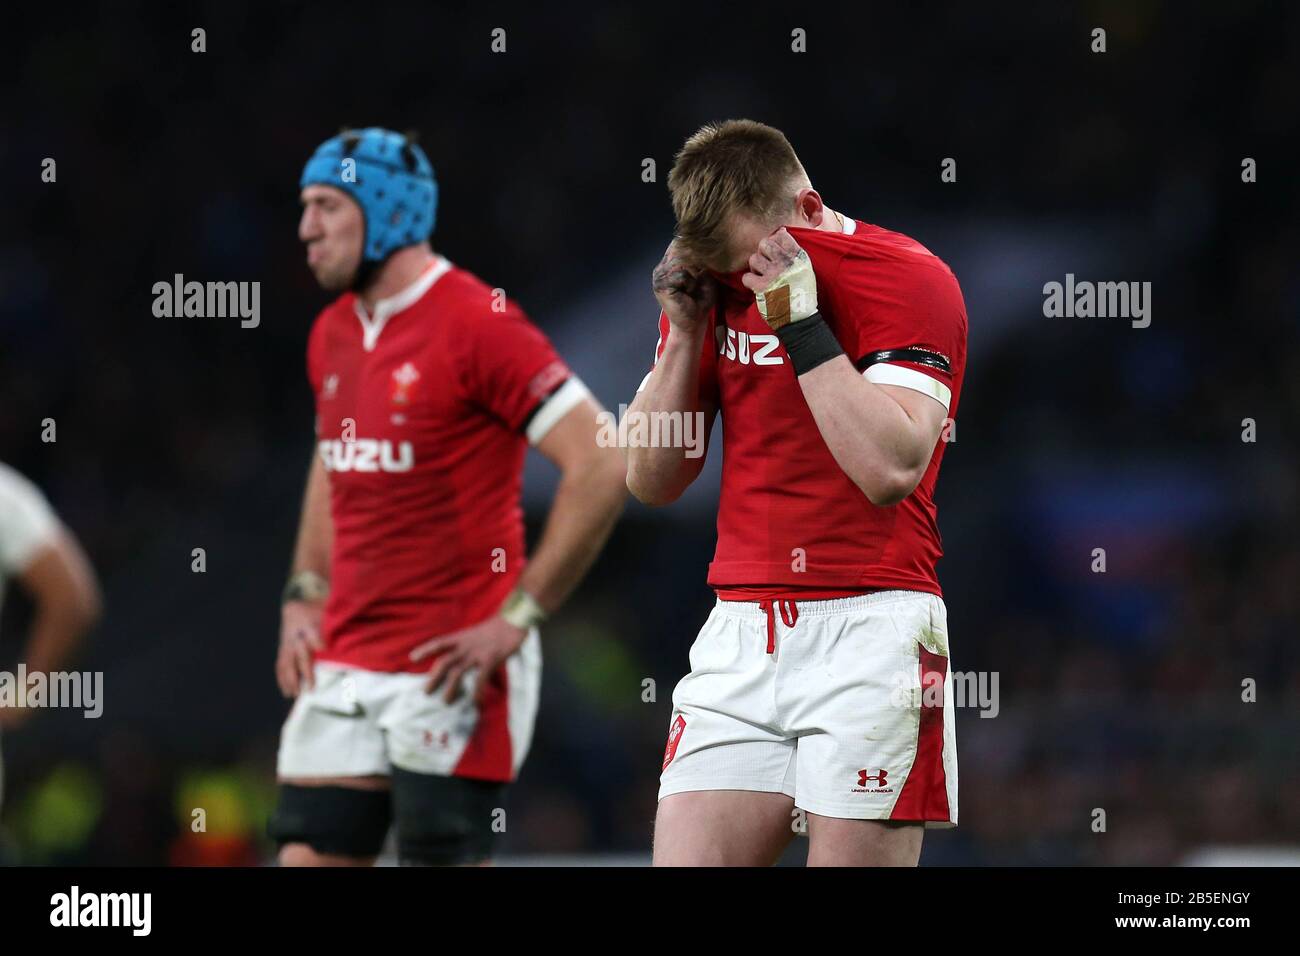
[
  {"x": 513, "y": 368},
  {"x": 898, "y": 317}
]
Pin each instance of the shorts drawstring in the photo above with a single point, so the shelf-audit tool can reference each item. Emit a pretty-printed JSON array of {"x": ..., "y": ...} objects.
[{"x": 789, "y": 614}]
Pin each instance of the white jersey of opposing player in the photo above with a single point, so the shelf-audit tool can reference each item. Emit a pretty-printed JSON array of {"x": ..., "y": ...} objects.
[{"x": 26, "y": 524}]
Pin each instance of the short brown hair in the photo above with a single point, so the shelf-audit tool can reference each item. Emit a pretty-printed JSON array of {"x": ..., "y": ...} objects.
[{"x": 736, "y": 166}]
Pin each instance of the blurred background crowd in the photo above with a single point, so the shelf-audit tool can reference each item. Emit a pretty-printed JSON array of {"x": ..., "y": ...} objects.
[{"x": 1119, "y": 690}]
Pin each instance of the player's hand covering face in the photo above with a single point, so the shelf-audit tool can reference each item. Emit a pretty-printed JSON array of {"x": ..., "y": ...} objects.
[
  {"x": 782, "y": 279},
  {"x": 481, "y": 648},
  {"x": 686, "y": 292}
]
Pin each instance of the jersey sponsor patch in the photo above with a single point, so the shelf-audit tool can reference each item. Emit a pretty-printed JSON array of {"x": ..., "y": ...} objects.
[
  {"x": 367, "y": 455},
  {"x": 747, "y": 348}
]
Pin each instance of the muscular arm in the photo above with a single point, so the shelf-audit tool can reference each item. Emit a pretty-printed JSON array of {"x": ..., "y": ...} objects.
[
  {"x": 587, "y": 502},
  {"x": 658, "y": 476},
  {"x": 315, "y": 527},
  {"x": 300, "y": 620},
  {"x": 881, "y": 436}
]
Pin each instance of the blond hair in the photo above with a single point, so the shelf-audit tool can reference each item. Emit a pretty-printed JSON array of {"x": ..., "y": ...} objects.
[{"x": 739, "y": 166}]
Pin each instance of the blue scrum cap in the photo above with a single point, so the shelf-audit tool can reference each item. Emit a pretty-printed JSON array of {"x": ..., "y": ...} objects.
[{"x": 389, "y": 177}]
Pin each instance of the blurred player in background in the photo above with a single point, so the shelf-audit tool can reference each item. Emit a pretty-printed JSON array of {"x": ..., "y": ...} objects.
[
  {"x": 41, "y": 554},
  {"x": 835, "y": 352},
  {"x": 409, "y": 632}
]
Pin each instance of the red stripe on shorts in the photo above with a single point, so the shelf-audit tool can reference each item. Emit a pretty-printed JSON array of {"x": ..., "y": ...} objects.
[
  {"x": 925, "y": 794},
  {"x": 487, "y": 755}
]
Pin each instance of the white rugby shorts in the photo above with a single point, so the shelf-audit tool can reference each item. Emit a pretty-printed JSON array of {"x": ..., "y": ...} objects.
[
  {"x": 358, "y": 722},
  {"x": 846, "y": 705}
]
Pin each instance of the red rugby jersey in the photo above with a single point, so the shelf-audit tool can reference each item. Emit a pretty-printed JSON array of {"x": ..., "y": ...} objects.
[
  {"x": 790, "y": 520},
  {"x": 423, "y": 415}
]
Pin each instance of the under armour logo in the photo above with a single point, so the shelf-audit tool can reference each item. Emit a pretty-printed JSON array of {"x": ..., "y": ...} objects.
[{"x": 880, "y": 778}]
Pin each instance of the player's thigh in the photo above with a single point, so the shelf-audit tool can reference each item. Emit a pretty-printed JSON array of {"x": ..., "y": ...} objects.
[
  {"x": 332, "y": 767},
  {"x": 833, "y": 841},
  {"x": 446, "y": 820},
  {"x": 333, "y": 729},
  {"x": 722, "y": 828},
  {"x": 331, "y": 821},
  {"x": 727, "y": 783},
  {"x": 875, "y": 715},
  {"x": 451, "y": 761},
  {"x": 723, "y": 733}
]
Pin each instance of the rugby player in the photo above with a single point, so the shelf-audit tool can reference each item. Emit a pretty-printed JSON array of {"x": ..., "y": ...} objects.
[
  {"x": 43, "y": 556},
  {"x": 835, "y": 352},
  {"x": 409, "y": 628}
]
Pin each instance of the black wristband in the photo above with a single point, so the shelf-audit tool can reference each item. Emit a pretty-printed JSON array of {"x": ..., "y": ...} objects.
[{"x": 809, "y": 342}]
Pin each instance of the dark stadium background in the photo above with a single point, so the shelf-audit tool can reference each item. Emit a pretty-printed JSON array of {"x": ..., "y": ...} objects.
[{"x": 1119, "y": 691}]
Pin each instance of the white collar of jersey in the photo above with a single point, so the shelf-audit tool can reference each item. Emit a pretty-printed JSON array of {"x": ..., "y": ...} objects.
[
  {"x": 385, "y": 309},
  {"x": 850, "y": 224}
]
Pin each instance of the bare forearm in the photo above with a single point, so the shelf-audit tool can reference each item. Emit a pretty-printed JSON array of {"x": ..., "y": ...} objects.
[
  {"x": 55, "y": 633},
  {"x": 66, "y": 596},
  {"x": 315, "y": 527},
  {"x": 587, "y": 503},
  {"x": 658, "y": 475},
  {"x": 871, "y": 436}
]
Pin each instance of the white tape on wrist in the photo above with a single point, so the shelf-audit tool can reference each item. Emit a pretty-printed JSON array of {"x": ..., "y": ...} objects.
[
  {"x": 522, "y": 610},
  {"x": 792, "y": 296}
]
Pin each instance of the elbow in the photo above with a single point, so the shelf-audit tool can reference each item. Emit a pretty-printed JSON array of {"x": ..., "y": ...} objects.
[
  {"x": 661, "y": 480},
  {"x": 887, "y": 490},
  {"x": 71, "y": 613},
  {"x": 92, "y": 608},
  {"x": 651, "y": 496},
  {"x": 886, "y": 498},
  {"x": 654, "y": 494},
  {"x": 85, "y": 609}
]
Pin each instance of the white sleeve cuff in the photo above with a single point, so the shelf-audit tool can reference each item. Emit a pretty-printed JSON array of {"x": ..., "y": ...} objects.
[
  {"x": 27, "y": 522},
  {"x": 882, "y": 373},
  {"x": 562, "y": 401}
]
